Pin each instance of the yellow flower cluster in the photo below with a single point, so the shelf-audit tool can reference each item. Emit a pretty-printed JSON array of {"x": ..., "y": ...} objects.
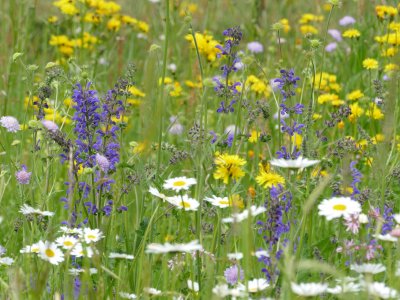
[
  {"x": 305, "y": 23},
  {"x": 385, "y": 11},
  {"x": 206, "y": 45},
  {"x": 258, "y": 86},
  {"x": 330, "y": 98},
  {"x": 285, "y": 24},
  {"x": 49, "y": 113},
  {"x": 354, "y": 95},
  {"x": 174, "y": 87},
  {"x": 351, "y": 33},
  {"x": 328, "y": 82},
  {"x": 66, "y": 46},
  {"x": 137, "y": 94}
]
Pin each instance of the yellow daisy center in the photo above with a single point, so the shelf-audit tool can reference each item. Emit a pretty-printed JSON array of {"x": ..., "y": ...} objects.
[
  {"x": 91, "y": 236},
  {"x": 185, "y": 204},
  {"x": 68, "y": 243},
  {"x": 223, "y": 202},
  {"x": 340, "y": 207},
  {"x": 49, "y": 253},
  {"x": 179, "y": 183}
]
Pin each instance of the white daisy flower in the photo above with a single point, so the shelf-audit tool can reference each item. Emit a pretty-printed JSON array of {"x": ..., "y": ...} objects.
[
  {"x": 156, "y": 193},
  {"x": 363, "y": 218},
  {"x": 92, "y": 235},
  {"x": 193, "y": 285},
  {"x": 80, "y": 251},
  {"x": 8, "y": 261},
  {"x": 67, "y": 230},
  {"x": 127, "y": 295},
  {"x": 346, "y": 285},
  {"x": 34, "y": 248},
  {"x": 261, "y": 253},
  {"x": 379, "y": 289},
  {"x": 28, "y": 210},
  {"x": 337, "y": 207},
  {"x": 76, "y": 272},
  {"x": 368, "y": 268},
  {"x": 235, "y": 256},
  {"x": 66, "y": 242},
  {"x": 167, "y": 247},
  {"x": 257, "y": 285},
  {"x": 48, "y": 251},
  {"x": 309, "y": 289},
  {"x": 397, "y": 218},
  {"x": 298, "y": 163},
  {"x": 239, "y": 217},
  {"x": 386, "y": 237},
  {"x": 121, "y": 255},
  {"x": 184, "y": 202},
  {"x": 152, "y": 291},
  {"x": 223, "y": 290},
  {"x": 10, "y": 123},
  {"x": 179, "y": 183},
  {"x": 219, "y": 202}
]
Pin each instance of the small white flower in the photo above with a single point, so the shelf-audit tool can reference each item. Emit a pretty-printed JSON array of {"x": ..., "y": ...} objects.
[
  {"x": 179, "y": 183},
  {"x": 156, "y": 193},
  {"x": 235, "y": 256},
  {"x": 262, "y": 253},
  {"x": 34, "y": 248},
  {"x": 257, "y": 285},
  {"x": 167, "y": 247},
  {"x": 183, "y": 202},
  {"x": 379, "y": 289},
  {"x": 219, "y": 202},
  {"x": 298, "y": 163},
  {"x": 48, "y": 251},
  {"x": 193, "y": 285},
  {"x": 8, "y": 261},
  {"x": 337, "y": 207},
  {"x": 172, "y": 67},
  {"x": 363, "y": 218},
  {"x": 67, "y": 242},
  {"x": 80, "y": 251},
  {"x": 92, "y": 235},
  {"x": 76, "y": 272},
  {"x": 27, "y": 210},
  {"x": 152, "y": 291},
  {"x": 345, "y": 287},
  {"x": 386, "y": 237},
  {"x": 368, "y": 268},
  {"x": 397, "y": 218},
  {"x": 121, "y": 255},
  {"x": 67, "y": 230},
  {"x": 10, "y": 123},
  {"x": 309, "y": 289},
  {"x": 239, "y": 217},
  {"x": 127, "y": 295},
  {"x": 223, "y": 290}
]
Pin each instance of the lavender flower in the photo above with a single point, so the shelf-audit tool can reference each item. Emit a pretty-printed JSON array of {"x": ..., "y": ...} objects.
[
  {"x": 346, "y": 20},
  {"x": 50, "y": 125},
  {"x": 23, "y": 176},
  {"x": 10, "y": 123},
  {"x": 224, "y": 89},
  {"x": 233, "y": 274},
  {"x": 102, "y": 162},
  {"x": 255, "y": 47},
  {"x": 331, "y": 47},
  {"x": 356, "y": 175},
  {"x": 287, "y": 83},
  {"x": 336, "y": 34}
]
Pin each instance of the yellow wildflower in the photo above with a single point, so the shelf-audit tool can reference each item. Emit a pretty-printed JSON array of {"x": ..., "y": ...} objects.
[
  {"x": 229, "y": 166},
  {"x": 356, "y": 112},
  {"x": 370, "y": 63},
  {"x": 268, "y": 179},
  {"x": 351, "y": 33},
  {"x": 254, "y": 135},
  {"x": 354, "y": 95},
  {"x": 374, "y": 112}
]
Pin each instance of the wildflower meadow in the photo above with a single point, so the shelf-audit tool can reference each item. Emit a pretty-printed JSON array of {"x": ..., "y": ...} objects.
[{"x": 194, "y": 149}]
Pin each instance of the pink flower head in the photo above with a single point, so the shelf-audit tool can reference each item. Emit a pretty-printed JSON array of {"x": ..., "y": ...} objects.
[
  {"x": 10, "y": 123},
  {"x": 23, "y": 176}
]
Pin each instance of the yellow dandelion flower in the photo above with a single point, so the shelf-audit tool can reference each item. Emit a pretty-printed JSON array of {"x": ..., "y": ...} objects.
[
  {"x": 52, "y": 19},
  {"x": 297, "y": 139},
  {"x": 370, "y": 64},
  {"x": 308, "y": 29},
  {"x": 114, "y": 24},
  {"x": 254, "y": 135},
  {"x": 229, "y": 166},
  {"x": 374, "y": 112},
  {"x": 354, "y": 95},
  {"x": 391, "y": 67},
  {"x": 351, "y": 33},
  {"x": 285, "y": 24},
  {"x": 356, "y": 112},
  {"x": 136, "y": 92},
  {"x": 268, "y": 179}
]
